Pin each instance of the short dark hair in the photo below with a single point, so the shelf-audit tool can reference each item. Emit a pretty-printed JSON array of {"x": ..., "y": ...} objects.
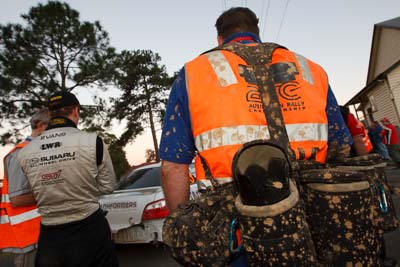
[
  {"x": 237, "y": 19},
  {"x": 62, "y": 112}
]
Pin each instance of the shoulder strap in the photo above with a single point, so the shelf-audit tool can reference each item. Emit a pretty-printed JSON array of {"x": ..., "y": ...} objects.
[{"x": 259, "y": 57}]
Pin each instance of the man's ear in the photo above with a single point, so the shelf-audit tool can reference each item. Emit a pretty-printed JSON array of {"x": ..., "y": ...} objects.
[
  {"x": 220, "y": 40},
  {"x": 40, "y": 128},
  {"x": 41, "y": 125},
  {"x": 76, "y": 110}
]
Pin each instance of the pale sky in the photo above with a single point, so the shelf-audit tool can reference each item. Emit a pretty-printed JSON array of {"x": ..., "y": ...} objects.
[{"x": 336, "y": 34}]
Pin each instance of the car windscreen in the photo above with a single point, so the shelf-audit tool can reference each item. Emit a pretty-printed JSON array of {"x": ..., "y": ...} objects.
[{"x": 141, "y": 178}]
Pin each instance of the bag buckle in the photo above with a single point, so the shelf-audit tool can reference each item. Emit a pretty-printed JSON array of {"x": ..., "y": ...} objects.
[
  {"x": 382, "y": 199},
  {"x": 235, "y": 244}
]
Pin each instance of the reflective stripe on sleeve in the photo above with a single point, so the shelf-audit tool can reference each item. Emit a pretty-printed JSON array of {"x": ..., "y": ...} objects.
[
  {"x": 222, "y": 68},
  {"x": 29, "y": 215},
  {"x": 4, "y": 219},
  {"x": 5, "y": 198},
  {"x": 237, "y": 135}
]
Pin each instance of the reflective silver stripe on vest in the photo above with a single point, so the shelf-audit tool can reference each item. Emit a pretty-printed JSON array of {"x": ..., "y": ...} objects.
[
  {"x": 5, "y": 198},
  {"x": 307, "y": 132},
  {"x": 237, "y": 135},
  {"x": 233, "y": 135},
  {"x": 29, "y": 215},
  {"x": 305, "y": 68},
  {"x": 4, "y": 219},
  {"x": 222, "y": 68}
]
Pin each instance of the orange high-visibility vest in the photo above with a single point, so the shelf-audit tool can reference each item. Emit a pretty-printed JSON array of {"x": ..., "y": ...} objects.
[
  {"x": 226, "y": 109},
  {"x": 367, "y": 142},
  {"x": 19, "y": 227},
  {"x": 365, "y": 137}
]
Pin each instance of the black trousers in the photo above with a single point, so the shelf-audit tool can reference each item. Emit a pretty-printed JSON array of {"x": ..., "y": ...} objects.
[{"x": 84, "y": 243}]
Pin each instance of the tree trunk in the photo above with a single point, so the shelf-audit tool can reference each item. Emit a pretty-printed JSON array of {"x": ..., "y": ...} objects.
[{"x": 152, "y": 126}]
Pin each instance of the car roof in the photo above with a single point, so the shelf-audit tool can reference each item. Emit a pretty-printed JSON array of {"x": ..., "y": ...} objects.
[
  {"x": 148, "y": 166},
  {"x": 142, "y": 167},
  {"x": 152, "y": 165}
]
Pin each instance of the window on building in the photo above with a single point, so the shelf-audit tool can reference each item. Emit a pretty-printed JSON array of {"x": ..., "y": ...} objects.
[{"x": 373, "y": 103}]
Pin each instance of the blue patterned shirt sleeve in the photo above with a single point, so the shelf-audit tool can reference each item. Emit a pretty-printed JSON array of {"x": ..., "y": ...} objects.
[
  {"x": 177, "y": 143},
  {"x": 337, "y": 129}
]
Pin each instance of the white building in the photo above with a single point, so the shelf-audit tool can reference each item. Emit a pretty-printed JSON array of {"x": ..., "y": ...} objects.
[{"x": 381, "y": 95}]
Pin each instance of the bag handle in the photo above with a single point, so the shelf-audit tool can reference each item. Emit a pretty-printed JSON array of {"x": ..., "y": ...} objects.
[{"x": 259, "y": 58}]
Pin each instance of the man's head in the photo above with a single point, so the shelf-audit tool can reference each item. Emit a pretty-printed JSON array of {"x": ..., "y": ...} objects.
[
  {"x": 385, "y": 121},
  {"x": 39, "y": 121},
  {"x": 64, "y": 104},
  {"x": 237, "y": 19}
]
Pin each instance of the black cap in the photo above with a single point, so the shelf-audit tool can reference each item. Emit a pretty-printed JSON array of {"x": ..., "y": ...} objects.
[{"x": 61, "y": 100}]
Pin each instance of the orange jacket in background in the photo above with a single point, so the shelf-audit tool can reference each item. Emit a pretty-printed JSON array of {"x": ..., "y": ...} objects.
[
  {"x": 358, "y": 132},
  {"x": 19, "y": 227}
]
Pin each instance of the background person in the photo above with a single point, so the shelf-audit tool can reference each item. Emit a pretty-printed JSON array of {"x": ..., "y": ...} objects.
[
  {"x": 361, "y": 143},
  {"x": 68, "y": 170},
  {"x": 390, "y": 139},
  {"x": 374, "y": 133},
  {"x": 20, "y": 222}
]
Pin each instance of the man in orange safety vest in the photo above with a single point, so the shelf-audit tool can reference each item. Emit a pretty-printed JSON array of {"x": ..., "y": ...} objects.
[{"x": 19, "y": 221}]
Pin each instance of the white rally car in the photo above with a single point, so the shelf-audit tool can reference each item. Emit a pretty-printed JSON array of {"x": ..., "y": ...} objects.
[{"x": 136, "y": 210}]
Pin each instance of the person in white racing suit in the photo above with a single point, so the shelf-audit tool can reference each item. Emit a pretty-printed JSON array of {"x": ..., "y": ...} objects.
[{"x": 68, "y": 169}]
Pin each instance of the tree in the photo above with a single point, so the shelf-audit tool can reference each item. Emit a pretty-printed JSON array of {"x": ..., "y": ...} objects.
[
  {"x": 117, "y": 154},
  {"x": 144, "y": 84},
  {"x": 53, "y": 51},
  {"x": 150, "y": 156}
]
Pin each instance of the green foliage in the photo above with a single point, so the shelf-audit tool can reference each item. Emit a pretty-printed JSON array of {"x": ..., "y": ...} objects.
[
  {"x": 150, "y": 156},
  {"x": 52, "y": 51},
  {"x": 117, "y": 154},
  {"x": 144, "y": 84},
  {"x": 118, "y": 157}
]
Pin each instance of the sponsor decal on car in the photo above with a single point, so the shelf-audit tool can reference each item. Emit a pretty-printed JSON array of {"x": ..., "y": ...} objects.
[{"x": 118, "y": 205}]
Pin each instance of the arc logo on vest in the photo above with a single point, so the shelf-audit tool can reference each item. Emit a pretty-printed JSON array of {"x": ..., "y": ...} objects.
[
  {"x": 254, "y": 100},
  {"x": 290, "y": 92}
]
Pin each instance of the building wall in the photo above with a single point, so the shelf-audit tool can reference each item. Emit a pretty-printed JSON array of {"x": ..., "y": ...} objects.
[
  {"x": 384, "y": 103},
  {"x": 389, "y": 52},
  {"x": 394, "y": 84}
]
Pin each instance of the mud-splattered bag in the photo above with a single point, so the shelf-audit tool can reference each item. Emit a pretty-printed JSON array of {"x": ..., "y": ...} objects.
[
  {"x": 197, "y": 232},
  {"x": 277, "y": 234},
  {"x": 373, "y": 167},
  {"x": 339, "y": 208},
  {"x": 271, "y": 216}
]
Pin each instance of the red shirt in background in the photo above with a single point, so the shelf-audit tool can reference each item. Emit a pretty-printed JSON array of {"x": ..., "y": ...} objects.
[{"x": 389, "y": 134}]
